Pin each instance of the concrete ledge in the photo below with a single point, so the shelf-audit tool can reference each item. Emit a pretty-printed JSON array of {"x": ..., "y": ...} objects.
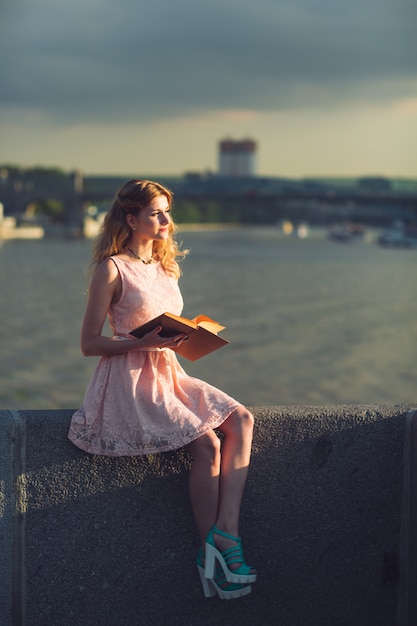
[
  {"x": 407, "y": 606},
  {"x": 93, "y": 540}
]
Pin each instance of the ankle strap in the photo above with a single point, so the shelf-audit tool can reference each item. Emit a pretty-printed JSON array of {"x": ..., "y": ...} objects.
[{"x": 217, "y": 531}]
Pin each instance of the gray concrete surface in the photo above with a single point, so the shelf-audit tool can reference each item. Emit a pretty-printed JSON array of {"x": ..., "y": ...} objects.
[
  {"x": 96, "y": 541},
  {"x": 407, "y": 606}
]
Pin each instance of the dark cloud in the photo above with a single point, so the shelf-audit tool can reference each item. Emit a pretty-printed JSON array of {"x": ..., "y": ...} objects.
[{"x": 100, "y": 60}]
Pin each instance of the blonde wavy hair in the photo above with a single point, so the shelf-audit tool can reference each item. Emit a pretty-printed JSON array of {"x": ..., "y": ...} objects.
[{"x": 114, "y": 234}]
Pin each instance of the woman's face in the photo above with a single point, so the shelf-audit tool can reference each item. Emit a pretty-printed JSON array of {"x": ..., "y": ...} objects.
[{"x": 153, "y": 222}]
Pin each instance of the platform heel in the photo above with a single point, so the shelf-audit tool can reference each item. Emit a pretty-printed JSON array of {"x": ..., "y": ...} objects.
[
  {"x": 219, "y": 585},
  {"x": 226, "y": 558}
]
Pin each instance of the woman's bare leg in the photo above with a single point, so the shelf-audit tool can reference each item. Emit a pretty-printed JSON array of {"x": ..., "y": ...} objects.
[
  {"x": 235, "y": 459},
  {"x": 204, "y": 481},
  {"x": 218, "y": 476}
]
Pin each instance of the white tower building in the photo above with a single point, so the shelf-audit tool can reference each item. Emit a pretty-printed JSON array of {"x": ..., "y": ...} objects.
[{"x": 237, "y": 158}]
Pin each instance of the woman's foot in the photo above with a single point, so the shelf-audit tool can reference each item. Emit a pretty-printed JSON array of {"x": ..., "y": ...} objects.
[
  {"x": 227, "y": 551},
  {"x": 224, "y": 542}
]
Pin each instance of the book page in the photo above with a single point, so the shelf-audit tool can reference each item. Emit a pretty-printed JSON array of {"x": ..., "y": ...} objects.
[
  {"x": 206, "y": 322},
  {"x": 182, "y": 320}
]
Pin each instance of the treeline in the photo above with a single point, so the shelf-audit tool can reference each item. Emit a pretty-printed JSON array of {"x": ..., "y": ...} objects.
[
  {"x": 9, "y": 173},
  {"x": 230, "y": 211}
]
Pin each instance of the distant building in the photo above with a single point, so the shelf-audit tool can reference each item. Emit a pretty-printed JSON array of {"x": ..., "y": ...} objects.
[
  {"x": 237, "y": 158},
  {"x": 374, "y": 183}
]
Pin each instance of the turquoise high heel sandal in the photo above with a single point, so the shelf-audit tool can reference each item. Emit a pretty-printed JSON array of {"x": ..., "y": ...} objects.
[
  {"x": 219, "y": 585},
  {"x": 226, "y": 558}
]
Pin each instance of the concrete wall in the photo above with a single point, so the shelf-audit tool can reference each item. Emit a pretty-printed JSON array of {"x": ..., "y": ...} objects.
[{"x": 96, "y": 541}]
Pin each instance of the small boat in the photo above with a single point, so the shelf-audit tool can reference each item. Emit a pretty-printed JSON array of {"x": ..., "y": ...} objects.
[
  {"x": 302, "y": 230},
  {"x": 346, "y": 232},
  {"x": 299, "y": 230},
  {"x": 400, "y": 235}
]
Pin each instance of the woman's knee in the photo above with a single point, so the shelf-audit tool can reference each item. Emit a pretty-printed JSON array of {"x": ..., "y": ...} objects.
[
  {"x": 206, "y": 448},
  {"x": 240, "y": 423}
]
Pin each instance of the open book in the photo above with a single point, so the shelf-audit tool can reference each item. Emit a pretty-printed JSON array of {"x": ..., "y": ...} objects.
[{"x": 201, "y": 331}]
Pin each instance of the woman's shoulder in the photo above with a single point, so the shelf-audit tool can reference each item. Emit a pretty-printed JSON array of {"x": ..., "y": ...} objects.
[
  {"x": 107, "y": 269},
  {"x": 115, "y": 260}
]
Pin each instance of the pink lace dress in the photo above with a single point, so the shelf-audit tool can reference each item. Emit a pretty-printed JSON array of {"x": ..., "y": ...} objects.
[{"x": 142, "y": 402}]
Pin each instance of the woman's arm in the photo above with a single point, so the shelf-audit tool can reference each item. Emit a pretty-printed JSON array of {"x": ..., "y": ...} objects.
[{"x": 105, "y": 288}]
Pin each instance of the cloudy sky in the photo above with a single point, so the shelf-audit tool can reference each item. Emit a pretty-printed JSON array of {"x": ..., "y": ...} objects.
[{"x": 325, "y": 87}]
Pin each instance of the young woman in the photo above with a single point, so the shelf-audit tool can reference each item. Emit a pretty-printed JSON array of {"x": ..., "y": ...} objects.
[{"x": 141, "y": 401}]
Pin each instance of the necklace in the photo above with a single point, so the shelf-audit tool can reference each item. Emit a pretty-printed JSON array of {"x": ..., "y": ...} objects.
[{"x": 140, "y": 258}]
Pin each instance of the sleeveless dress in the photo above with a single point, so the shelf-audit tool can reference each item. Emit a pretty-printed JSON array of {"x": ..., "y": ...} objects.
[{"x": 142, "y": 401}]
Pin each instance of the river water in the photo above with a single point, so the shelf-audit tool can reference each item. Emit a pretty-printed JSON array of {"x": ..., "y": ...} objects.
[{"x": 310, "y": 321}]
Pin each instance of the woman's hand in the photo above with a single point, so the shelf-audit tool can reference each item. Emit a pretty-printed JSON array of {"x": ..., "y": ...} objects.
[{"x": 154, "y": 340}]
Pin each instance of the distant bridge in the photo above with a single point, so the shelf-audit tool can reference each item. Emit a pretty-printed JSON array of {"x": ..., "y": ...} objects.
[
  {"x": 21, "y": 192},
  {"x": 77, "y": 193}
]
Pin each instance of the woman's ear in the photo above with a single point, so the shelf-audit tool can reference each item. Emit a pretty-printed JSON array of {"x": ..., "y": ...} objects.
[{"x": 131, "y": 221}]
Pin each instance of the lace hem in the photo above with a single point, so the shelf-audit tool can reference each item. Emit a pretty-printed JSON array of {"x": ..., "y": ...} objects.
[{"x": 90, "y": 442}]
